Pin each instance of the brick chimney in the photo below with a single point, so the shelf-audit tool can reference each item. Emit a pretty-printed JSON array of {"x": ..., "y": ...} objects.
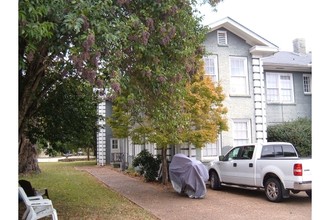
[{"x": 299, "y": 46}]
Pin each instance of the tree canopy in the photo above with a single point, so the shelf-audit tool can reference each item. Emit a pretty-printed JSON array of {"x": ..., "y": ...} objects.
[{"x": 145, "y": 47}]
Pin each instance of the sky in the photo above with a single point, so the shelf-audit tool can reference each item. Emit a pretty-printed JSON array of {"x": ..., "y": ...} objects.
[{"x": 278, "y": 21}]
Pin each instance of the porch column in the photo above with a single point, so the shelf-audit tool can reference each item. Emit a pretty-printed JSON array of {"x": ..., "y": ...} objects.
[
  {"x": 101, "y": 136},
  {"x": 259, "y": 99}
]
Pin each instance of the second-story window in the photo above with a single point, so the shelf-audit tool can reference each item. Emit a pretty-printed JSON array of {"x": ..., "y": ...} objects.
[
  {"x": 307, "y": 83},
  {"x": 279, "y": 88},
  {"x": 238, "y": 76},
  {"x": 211, "y": 67}
]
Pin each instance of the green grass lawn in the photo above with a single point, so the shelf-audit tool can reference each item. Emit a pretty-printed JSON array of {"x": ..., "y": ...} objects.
[{"x": 78, "y": 195}]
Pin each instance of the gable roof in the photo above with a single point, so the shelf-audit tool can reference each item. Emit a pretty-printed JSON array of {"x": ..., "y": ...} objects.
[
  {"x": 233, "y": 26},
  {"x": 288, "y": 61}
]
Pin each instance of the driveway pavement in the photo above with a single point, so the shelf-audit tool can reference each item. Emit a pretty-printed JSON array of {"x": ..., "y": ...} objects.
[{"x": 229, "y": 204}]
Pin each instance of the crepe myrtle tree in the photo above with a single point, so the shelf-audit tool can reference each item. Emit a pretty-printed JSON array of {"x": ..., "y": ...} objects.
[
  {"x": 102, "y": 42},
  {"x": 168, "y": 37}
]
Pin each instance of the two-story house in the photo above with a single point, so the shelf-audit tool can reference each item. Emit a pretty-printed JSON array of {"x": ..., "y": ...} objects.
[{"x": 235, "y": 56}]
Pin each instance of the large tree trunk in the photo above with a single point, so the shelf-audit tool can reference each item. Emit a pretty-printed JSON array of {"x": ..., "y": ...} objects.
[
  {"x": 164, "y": 166},
  {"x": 27, "y": 157}
]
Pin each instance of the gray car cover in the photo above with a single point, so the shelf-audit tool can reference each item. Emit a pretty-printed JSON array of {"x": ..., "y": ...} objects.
[{"x": 188, "y": 176}]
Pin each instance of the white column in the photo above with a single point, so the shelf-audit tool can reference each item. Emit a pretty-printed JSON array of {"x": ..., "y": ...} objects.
[
  {"x": 259, "y": 102},
  {"x": 100, "y": 137}
]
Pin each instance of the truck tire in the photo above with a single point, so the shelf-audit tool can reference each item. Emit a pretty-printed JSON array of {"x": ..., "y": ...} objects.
[
  {"x": 274, "y": 190},
  {"x": 309, "y": 193},
  {"x": 214, "y": 180}
]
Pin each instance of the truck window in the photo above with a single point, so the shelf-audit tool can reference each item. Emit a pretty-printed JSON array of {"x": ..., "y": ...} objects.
[
  {"x": 247, "y": 152},
  {"x": 233, "y": 154},
  {"x": 278, "y": 151},
  {"x": 267, "y": 151},
  {"x": 288, "y": 151}
]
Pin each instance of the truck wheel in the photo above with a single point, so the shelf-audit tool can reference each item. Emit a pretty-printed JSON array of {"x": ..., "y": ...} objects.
[
  {"x": 309, "y": 193},
  {"x": 214, "y": 180},
  {"x": 273, "y": 190}
]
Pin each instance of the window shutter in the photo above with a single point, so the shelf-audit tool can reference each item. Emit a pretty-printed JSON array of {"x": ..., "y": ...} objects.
[{"x": 222, "y": 37}]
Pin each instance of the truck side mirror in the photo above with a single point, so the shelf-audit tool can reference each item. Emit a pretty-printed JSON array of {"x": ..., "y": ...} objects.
[{"x": 221, "y": 157}]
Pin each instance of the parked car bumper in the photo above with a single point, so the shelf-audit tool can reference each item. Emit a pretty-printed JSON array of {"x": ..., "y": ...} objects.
[{"x": 307, "y": 185}]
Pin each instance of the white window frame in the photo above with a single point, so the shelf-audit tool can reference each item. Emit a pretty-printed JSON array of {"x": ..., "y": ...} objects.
[
  {"x": 307, "y": 84},
  {"x": 242, "y": 76},
  {"x": 222, "y": 38},
  {"x": 210, "y": 150},
  {"x": 238, "y": 138},
  {"x": 279, "y": 88},
  {"x": 114, "y": 146},
  {"x": 214, "y": 73}
]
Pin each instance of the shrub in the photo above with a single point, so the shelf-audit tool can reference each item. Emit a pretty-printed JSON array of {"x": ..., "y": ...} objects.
[
  {"x": 297, "y": 132},
  {"x": 148, "y": 163}
]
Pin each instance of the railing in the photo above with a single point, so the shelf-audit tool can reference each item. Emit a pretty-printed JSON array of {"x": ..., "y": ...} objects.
[{"x": 117, "y": 157}]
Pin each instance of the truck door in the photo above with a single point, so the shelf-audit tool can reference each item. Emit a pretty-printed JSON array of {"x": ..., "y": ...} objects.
[
  {"x": 238, "y": 166},
  {"x": 227, "y": 167},
  {"x": 246, "y": 166}
]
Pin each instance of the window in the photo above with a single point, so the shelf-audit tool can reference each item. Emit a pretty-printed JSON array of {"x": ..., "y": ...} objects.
[
  {"x": 211, "y": 67},
  {"x": 114, "y": 144},
  {"x": 233, "y": 154},
  {"x": 241, "y": 129},
  {"x": 267, "y": 151},
  {"x": 247, "y": 152},
  {"x": 238, "y": 76},
  {"x": 307, "y": 83},
  {"x": 279, "y": 88},
  {"x": 288, "y": 151},
  {"x": 210, "y": 150},
  {"x": 222, "y": 38},
  {"x": 278, "y": 151}
]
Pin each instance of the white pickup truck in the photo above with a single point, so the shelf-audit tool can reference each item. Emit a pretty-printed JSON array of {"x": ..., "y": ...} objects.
[{"x": 273, "y": 166}]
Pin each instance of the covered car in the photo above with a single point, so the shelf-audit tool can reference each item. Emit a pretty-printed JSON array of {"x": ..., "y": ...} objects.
[{"x": 188, "y": 176}]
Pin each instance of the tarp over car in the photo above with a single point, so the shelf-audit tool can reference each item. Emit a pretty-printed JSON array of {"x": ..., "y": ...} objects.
[{"x": 188, "y": 176}]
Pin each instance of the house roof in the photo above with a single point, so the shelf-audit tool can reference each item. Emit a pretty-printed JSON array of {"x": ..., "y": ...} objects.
[
  {"x": 288, "y": 61},
  {"x": 249, "y": 36}
]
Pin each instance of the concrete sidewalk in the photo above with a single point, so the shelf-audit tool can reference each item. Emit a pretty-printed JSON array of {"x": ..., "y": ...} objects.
[{"x": 160, "y": 200}]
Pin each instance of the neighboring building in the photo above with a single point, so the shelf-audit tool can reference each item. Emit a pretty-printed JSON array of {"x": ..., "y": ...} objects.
[
  {"x": 235, "y": 57},
  {"x": 288, "y": 84}
]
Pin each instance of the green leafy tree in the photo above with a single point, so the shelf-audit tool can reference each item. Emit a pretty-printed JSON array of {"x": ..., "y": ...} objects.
[
  {"x": 69, "y": 115},
  {"x": 58, "y": 40},
  {"x": 168, "y": 39},
  {"x": 141, "y": 43}
]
